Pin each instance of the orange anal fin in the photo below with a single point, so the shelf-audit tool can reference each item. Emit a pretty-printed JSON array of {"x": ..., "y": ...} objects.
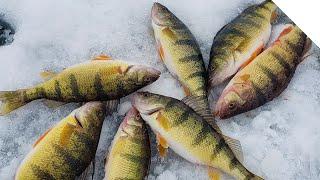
[
  {"x": 253, "y": 56},
  {"x": 284, "y": 32},
  {"x": 102, "y": 57},
  {"x": 214, "y": 174},
  {"x": 162, "y": 146},
  {"x": 41, "y": 137},
  {"x": 186, "y": 90},
  {"x": 160, "y": 50}
]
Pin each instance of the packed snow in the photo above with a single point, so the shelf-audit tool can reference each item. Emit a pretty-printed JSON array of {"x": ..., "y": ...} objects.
[{"x": 280, "y": 140}]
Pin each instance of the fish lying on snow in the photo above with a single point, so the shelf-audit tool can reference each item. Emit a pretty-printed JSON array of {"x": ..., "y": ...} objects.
[
  {"x": 240, "y": 41},
  {"x": 129, "y": 154},
  {"x": 6, "y": 32},
  {"x": 266, "y": 77},
  {"x": 181, "y": 128},
  {"x": 179, "y": 51},
  {"x": 99, "y": 80},
  {"x": 66, "y": 150}
]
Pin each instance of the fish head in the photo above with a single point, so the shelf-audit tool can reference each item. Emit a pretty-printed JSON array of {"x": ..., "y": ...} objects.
[
  {"x": 234, "y": 100},
  {"x": 133, "y": 125},
  {"x": 162, "y": 16},
  {"x": 142, "y": 75},
  {"x": 90, "y": 116},
  {"x": 147, "y": 103}
]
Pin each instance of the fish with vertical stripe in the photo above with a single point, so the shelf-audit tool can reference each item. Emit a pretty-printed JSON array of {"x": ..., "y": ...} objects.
[
  {"x": 102, "y": 79},
  {"x": 266, "y": 77},
  {"x": 182, "y": 129},
  {"x": 66, "y": 150}
]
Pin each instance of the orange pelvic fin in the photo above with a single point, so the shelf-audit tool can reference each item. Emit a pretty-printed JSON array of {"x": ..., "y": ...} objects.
[
  {"x": 214, "y": 174},
  {"x": 41, "y": 137},
  {"x": 102, "y": 57},
  {"x": 162, "y": 146},
  {"x": 253, "y": 56}
]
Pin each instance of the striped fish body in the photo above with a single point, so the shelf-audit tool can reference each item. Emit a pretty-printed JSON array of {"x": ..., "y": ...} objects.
[
  {"x": 93, "y": 81},
  {"x": 179, "y": 50},
  {"x": 67, "y": 149},
  {"x": 188, "y": 134},
  {"x": 266, "y": 77},
  {"x": 129, "y": 154},
  {"x": 240, "y": 41},
  {"x": 97, "y": 80}
]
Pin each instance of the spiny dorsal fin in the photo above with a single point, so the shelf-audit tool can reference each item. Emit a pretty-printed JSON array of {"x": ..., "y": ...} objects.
[
  {"x": 102, "y": 57},
  {"x": 46, "y": 75},
  {"x": 235, "y": 146},
  {"x": 41, "y": 137},
  {"x": 111, "y": 106},
  {"x": 200, "y": 105}
]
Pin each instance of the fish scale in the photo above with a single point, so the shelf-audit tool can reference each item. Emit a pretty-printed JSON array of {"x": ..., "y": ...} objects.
[
  {"x": 188, "y": 134},
  {"x": 66, "y": 150},
  {"x": 238, "y": 42},
  {"x": 266, "y": 77}
]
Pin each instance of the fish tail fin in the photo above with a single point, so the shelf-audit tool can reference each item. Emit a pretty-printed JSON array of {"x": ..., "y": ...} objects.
[{"x": 11, "y": 100}]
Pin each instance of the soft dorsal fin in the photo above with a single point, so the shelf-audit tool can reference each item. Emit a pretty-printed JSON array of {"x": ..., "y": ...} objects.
[
  {"x": 41, "y": 137},
  {"x": 306, "y": 49},
  {"x": 200, "y": 105},
  {"x": 111, "y": 106},
  {"x": 235, "y": 146},
  {"x": 89, "y": 170},
  {"x": 102, "y": 57},
  {"x": 46, "y": 75}
]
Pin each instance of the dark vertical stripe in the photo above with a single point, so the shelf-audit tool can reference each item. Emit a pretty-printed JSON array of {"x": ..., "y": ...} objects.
[
  {"x": 191, "y": 58},
  {"x": 74, "y": 88},
  {"x": 250, "y": 22},
  {"x": 99, "y": 87},
  {"x": 284, "y": 64},
  {"x": 41, "y": 174},
  {"x": 171, "y": 103},
  {"x": 187, "y": 42},
  {"x": 217, "y": 148},
  {"x": 234, "y": 32},
  {"x": 257, "y": 14},
  {"x": 233, "y": 163},
  {"x": 202, "y": 135},
  {"x": 259, "y": 95},
  {"x": 270, "y": 75},
  {"x": 75, "y": 165},
  {"x": 134, "y": 158},
  {"x": 182, "y": 118},
  {"x": 57, "y": 90},
  {"x": 199, "y": 74}
]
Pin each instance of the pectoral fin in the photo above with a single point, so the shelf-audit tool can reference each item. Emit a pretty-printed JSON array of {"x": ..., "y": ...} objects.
[
  {"x": 66, "y": 133},
  {"x": 214, "y": 174},
  {"x": 168, "y": 32},
  {"x": 162, "y": 145},
  {"x": 163, "y": 121}
]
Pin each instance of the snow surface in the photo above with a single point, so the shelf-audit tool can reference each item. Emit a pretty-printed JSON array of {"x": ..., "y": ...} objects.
[{"x": 280, "y": 140}]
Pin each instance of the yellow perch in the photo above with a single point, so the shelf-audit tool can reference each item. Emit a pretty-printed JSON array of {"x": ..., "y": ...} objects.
[
  {"x": 240, "y": 41},
  {"x": 99, "y": 80},
  {"x": 129, "y": 154},
  {"x": 66, "y": 150},
  {"x": 187, "y": 133},
  {"x": 266, "y": 77},
  {"x": 179, "y": 51}
]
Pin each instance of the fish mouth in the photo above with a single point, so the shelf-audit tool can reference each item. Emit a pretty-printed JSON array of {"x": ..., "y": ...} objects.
[
  {"x": 158, "y": 12},
  {"x": 139, "y": 102}
]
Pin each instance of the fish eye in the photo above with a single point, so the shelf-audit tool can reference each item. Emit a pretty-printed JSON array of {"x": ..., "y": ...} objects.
[
  {"x": 148, "y": 79},
  {"x": 145, "y": 95},
  {"x": 232, "y": 106}
]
